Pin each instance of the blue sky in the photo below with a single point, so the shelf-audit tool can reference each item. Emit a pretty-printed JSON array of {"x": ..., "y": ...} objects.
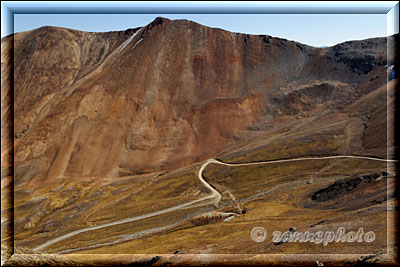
[{"x": 311, "y": 29}]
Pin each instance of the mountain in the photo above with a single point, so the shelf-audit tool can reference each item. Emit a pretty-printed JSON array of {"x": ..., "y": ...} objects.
[
  {"x": 167, "y": 95},
  {"x": 101, "y": 112}
]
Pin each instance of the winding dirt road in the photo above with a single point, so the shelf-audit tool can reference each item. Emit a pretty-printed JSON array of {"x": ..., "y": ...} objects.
[
  {"x": 215, "y": 195},
  {"x": 126, "y": 220}
]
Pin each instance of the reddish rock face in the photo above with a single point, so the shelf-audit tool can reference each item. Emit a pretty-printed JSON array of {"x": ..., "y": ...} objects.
[{"x": 105, "y": 105}]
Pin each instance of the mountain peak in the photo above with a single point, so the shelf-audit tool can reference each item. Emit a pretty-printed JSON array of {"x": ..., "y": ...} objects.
[{"x": 158, "y": 21}]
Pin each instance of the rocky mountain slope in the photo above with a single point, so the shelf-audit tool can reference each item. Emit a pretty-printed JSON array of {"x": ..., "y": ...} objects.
[
  {"x": 117, "y": 125},
  {"x": 95, "y": 105}
]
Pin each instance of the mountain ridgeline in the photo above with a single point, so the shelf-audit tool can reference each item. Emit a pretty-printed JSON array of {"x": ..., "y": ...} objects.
[{"x": 172, "y": 93}]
